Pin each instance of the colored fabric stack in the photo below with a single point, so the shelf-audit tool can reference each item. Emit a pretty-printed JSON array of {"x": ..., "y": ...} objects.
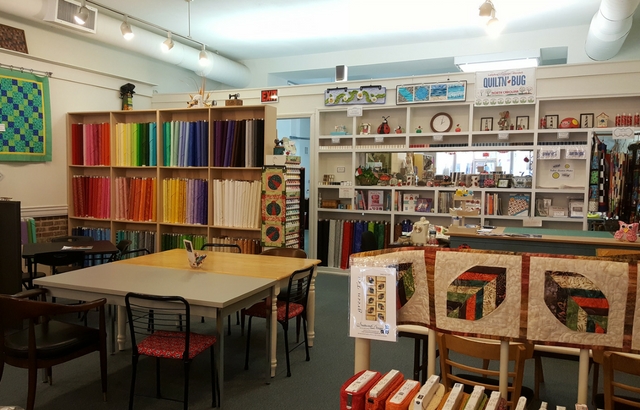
[
  {"x": 91, "y": 196},
  {"x": 185, "y": 201},
  {"x": 238, "y": 143},
  {"x": 139, "y": 239},
  {"x": 337, "y": 240},
  {"x": 135, "y": 199},
  {"x": 90, "y": 144},
  {"x": 136, "y": 145},
  {"x": 185, "y": 144}
]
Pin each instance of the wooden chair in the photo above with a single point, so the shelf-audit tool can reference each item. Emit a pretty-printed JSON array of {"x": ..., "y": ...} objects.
[
  {"x": 163, "y": 341},
  {"x": 46, "y": 342},
  {"x": 620, "y": 370},
  {"x": 483, "y": 349},
  {"x": 295, "y": 305}
]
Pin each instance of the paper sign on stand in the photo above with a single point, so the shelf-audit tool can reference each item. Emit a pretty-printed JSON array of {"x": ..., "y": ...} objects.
[{"x": 372, "y": 303}]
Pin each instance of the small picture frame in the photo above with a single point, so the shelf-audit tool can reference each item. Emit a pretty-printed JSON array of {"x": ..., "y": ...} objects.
[
  {"x": 552, "y": 121},
  {"x": 586, "y": 120},
  {"x": 504, "y": 183},
  {"x": 486, "y": 124},
  {"x": 522, "y": 123}
]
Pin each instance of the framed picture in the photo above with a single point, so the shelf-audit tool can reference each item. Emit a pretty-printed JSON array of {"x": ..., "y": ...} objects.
[
  {"x": 504, "y": 183},
  {"x": 522, "y": 123},
  {"x": 586, "y": 120},
  {"x": 12, "y": 38},
  {"x": 486, "y": 124},
  {"x": 552, "y": 121}
]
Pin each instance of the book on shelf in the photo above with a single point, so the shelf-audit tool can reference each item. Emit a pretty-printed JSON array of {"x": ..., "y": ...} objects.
[
  {"x": 519, "y": 204},
  {"x": 409, "y": 202},
  {"x": 493, "y": 205},
  {"x": 375, "y": 200},
  {"x": 424, "y": 204}
]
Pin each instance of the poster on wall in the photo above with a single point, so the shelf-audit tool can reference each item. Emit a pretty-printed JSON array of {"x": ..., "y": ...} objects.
[
  {"x": 505, "y": 87},
  {"x": 25, "y": 117},
  {"x": 449, "y": 91},
  {"x": 372, "y": 94},
  {"x": 372, "y": 303}
]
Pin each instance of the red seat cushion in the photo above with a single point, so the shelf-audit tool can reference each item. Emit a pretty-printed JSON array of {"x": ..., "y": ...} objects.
[
  {"x": 170, "y": 345},
  {"x": 260, "y": 310}
]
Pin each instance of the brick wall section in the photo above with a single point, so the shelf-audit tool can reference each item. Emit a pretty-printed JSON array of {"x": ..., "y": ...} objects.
[{"x": 51, "y": 226}]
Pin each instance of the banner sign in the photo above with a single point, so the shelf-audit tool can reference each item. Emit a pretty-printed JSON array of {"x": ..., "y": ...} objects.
[
  {"x": 506, "y": 87},
  {"x": 373, "y": 94}
]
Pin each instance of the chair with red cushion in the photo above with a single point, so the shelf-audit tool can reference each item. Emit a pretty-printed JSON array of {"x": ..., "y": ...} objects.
[
  {"x": 166, "y": 339},
  {"x": 294, "y": 306}
]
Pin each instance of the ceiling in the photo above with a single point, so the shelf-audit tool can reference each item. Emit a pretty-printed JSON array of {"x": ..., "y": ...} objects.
[{"x": 256, "y": 29}]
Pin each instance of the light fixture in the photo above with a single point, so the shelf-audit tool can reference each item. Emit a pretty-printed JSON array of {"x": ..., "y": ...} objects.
[
  {"x": 494, "y": 26},
  {"x": 82, "y": 14},
  {"x": 167, "y": 44},
  {"x": 486, "y": 10},
  {"x": 499, "y": 61},
  {"x": 125, "y": 28},
  {"x": 203, "y": 58}
]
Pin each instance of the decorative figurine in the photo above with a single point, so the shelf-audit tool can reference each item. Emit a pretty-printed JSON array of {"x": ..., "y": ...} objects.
[
  {"x": 602, "y": 120},
  {"x": 126, "y": 93},
  {"x": 458, "y": 129},
  {"x": 569, "y": 122},
  {"x": 398, "y": 130},
  {"x": 504, "y": 122},
  {"x": 627, "y": 232},
  {"x": 384, "y": 127},
  {"x": 365, "y": 129},
  {"x": 278, "y": 149},
  {"x": 419, "y": 130}
]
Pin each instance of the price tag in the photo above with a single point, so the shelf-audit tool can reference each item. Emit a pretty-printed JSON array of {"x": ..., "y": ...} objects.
[
  {"x": 563, "y": 135},
  {"x": 345, "y": 193},
  {"x": 438, "y": 137},
  {"x": 378, "y": 140},
  {"x": 503, "y": 135},
  {"x": 354, "y": 111},
  {"x": 335, "y": 140}
]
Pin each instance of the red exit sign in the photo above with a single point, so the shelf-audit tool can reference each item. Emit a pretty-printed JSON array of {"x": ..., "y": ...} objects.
[{"x": 269, "y": 96}]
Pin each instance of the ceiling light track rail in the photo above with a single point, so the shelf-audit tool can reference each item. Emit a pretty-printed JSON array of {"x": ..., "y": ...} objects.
[{"x": 187, "y": 38}]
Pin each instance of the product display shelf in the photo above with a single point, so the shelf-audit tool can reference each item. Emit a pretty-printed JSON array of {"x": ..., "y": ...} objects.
[
  {"x": 161, "y": 171},
  {"x": 478, "y": 130}
]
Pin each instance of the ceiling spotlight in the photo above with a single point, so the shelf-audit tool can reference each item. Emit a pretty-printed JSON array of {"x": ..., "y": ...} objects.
[
  {"x": 167, "y": 44},
  {"x": 125, "y": 28},
  {"x": 203, "y": 58},
  {"x": 486, "y": 9},
  {"x": 82, "y": 14},
  {"x": 494, "y": 26}
]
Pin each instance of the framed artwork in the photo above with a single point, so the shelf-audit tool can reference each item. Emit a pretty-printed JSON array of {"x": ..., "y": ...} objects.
[
  {"x": 586, "y": 120},
  {"x": 504, "y": 183},
  {"x": 12, "y": 38},
  {"x": 486, "y": 124},
  {"x": 448, "y": 91},
  {"x": 552, "y": 121},
  {"x": 522, "y": 123}
]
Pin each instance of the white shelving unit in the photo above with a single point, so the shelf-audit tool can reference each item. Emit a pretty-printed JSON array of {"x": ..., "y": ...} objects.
[{"x": 340, "y": 155}]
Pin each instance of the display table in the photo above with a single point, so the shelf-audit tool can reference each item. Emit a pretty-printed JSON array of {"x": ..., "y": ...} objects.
[{"x": 539, "y": 240}]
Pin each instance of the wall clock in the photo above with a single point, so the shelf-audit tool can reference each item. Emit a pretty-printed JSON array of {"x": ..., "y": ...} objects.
[{"x": 441, "y": 122}]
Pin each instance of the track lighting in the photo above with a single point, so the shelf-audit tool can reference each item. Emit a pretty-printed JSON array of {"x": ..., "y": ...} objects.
[
  {"x": 494, "y": 26},
  {"x": 167, "y": 44},
  {"x": 125, "y": 28},
  {"x": 82, "y": 14},
  {"x": 203, "y": 58},
  {"x": 486, "y": 9}
]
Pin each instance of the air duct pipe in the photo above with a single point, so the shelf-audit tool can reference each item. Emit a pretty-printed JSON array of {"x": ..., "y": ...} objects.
[
  {"x": 146, "y": 43},
  {"x": 609, "y": 28}
]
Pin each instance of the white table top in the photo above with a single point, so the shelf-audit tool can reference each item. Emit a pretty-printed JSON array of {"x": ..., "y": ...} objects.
[{"x": 198, "y": 287}]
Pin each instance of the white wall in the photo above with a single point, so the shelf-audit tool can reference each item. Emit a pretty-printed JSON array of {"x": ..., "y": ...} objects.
[{"x": 86, "y": 77}]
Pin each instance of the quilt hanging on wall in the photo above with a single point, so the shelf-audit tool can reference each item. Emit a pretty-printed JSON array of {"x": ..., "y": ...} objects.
[{"x": 25, "y": 117}]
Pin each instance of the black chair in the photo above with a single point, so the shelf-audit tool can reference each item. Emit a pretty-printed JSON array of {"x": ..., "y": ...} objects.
[
  {"x": 294, "y": 306},
  {"x": 45, "y": 342},
  {"x": 122, "y": 246},
  {"x": 228, "y": 247},
  {"x": 27, "y": 278},
  {"x": 163, "y": 341},
  {"x": 132, "y": 253},
  {"x": 72, "y": 238}
]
